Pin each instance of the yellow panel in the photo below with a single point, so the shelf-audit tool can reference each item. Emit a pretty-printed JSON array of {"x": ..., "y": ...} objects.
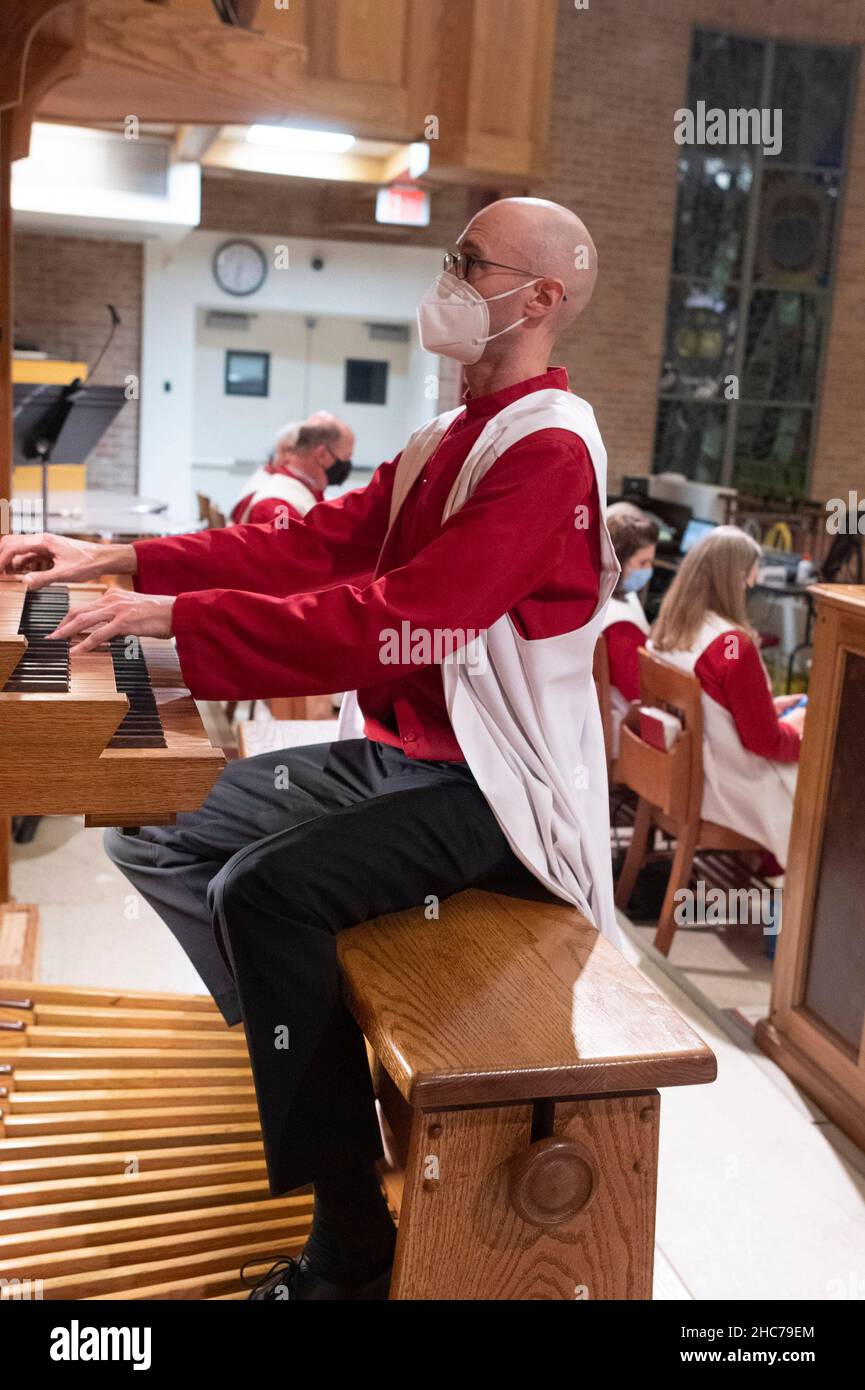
[
  {"x": 40, "y": 372},
  {"x": 62, "y": 477}
]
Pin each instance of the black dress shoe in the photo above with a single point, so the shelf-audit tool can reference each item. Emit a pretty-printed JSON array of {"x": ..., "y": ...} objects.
[{"x": 292, "y": 1279}]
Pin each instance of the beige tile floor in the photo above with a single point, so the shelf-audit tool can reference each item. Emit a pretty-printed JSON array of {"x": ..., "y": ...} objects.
[
  {"x": 759, "y": 1196},
  {"x": 94, "y": 930},
  {"x": 726, "y": 964}
]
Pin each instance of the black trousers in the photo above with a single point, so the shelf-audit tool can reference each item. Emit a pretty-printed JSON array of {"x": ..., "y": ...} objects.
[{"x": 289, "y": 849}]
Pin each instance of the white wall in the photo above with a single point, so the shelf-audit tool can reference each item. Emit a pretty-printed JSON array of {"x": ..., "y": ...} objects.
[
  {"x": 233, "y": 434},
  {"x": 360, "y": 282}
]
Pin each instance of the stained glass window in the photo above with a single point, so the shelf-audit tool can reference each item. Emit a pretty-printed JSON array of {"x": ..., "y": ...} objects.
[{"x": 760, "y": 181}]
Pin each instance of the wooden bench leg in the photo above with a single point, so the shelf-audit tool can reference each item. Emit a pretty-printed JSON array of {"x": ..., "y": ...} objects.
[{"x": 482, "y": 1206}]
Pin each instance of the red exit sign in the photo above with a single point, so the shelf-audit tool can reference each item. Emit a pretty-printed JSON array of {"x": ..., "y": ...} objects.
[{"x": 403, "y": 207}]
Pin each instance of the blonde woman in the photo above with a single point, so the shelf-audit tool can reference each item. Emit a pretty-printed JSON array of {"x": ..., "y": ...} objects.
[{"x": 750, "y": 742}]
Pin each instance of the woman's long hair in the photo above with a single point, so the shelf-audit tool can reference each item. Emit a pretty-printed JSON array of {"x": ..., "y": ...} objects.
[{"x": 711, "y": 579}]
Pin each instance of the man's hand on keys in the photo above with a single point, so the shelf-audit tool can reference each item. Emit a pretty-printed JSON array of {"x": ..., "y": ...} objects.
[
  {"x": 47, "y": 559},
  {"x": 117, "y": 614}
]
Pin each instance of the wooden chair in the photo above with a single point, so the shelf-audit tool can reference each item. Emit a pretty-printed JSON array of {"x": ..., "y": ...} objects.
[
  {"x": 203, "y": 506},
  {"x": 215, "y": 518},
  {"x": 670, "y": 789}
]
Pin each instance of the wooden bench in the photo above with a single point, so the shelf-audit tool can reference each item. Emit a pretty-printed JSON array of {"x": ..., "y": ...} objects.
[{"x": 517, "y": 1064}]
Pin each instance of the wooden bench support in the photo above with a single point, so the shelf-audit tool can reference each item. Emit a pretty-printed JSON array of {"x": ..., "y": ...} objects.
[
  {"x": 566, "y": 1216},
  {"x": 517, "y": 1060}
]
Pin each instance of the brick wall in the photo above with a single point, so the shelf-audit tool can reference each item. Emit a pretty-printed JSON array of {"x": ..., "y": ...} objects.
[
  {"x": 621, "y": 70},
  {"x": 309, "y": 207},
  {"x": 62, "y": 284}
]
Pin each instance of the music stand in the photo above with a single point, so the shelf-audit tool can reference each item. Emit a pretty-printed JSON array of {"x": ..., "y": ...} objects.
[{"x": 61, "y": 424}]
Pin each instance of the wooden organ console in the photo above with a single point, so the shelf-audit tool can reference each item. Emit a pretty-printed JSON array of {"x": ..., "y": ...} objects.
[
  {"x": 95, "y": 1082},
  {"x": 110, "y": 735},
  {"x": 816, "y": 1025}
]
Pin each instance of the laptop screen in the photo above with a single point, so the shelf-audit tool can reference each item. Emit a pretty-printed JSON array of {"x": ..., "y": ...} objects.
[{"x": 695, "y": 531}]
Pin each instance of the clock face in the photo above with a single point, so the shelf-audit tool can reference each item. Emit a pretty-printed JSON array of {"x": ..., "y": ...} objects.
[{"x": 239, "y": 267}]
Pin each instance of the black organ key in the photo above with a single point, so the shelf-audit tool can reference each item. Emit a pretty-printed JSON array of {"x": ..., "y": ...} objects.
[
  {"x": 44, "y": 669},
  {"x": 141, "y": 727}
]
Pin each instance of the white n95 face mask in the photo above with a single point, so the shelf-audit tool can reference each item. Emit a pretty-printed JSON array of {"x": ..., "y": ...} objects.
[{"x": 453, "y": 319}]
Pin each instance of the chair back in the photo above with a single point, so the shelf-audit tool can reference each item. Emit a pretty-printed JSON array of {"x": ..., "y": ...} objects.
[
  {"x": 670, "y": 781},
  {"x": 203, "y": 506}
]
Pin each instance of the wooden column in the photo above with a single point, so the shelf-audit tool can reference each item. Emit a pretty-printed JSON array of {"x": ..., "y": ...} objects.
[
  {"x": 6, "y": 310},
  {"x": 6, "y": 332}
]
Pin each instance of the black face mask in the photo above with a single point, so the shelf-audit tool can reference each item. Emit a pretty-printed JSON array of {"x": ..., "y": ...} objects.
[{"x": 338, "y": 472}]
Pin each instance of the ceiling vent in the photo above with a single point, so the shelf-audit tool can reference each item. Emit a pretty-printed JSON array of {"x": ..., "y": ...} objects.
[
  {"x": 224, "y": 318},
  {"x": 388, "y": 332}
]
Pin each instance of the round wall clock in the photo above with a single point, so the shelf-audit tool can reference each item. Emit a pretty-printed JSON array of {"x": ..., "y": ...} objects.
[{"x": 240, "y": 267}]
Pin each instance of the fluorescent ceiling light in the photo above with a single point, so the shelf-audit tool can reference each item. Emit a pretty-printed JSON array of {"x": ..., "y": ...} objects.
[
  {"x": 296, "y": 138},
  {"x": 418, "y": 159}
]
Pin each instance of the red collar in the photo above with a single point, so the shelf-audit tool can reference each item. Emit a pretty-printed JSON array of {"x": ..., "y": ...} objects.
[{"x": 484, "y": 407}]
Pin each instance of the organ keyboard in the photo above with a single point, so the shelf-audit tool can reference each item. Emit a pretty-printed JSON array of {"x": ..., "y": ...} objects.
[{"x": 112, "y": 735}]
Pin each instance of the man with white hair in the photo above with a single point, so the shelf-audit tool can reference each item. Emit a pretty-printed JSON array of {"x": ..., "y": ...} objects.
[
  {"x": 462, "y": 592},
  {"x": 307, "y": 457}
]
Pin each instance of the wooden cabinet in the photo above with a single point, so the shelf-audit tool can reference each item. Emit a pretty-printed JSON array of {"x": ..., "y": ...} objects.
[
  {"x": 494, "y": 79},
  {"x": 816, "y": 1026}
]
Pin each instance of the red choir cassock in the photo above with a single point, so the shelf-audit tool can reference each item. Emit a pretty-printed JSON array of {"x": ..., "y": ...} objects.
[{"x": 302, "y": 610}]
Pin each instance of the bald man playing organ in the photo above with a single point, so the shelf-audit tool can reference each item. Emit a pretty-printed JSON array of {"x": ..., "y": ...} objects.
[{"x": 462, "y": 592}]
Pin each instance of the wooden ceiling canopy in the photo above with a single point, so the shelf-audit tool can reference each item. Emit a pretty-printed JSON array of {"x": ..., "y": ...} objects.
[
  {"x": 41, "y": 42},
  {"x": 379, "y": 68}
]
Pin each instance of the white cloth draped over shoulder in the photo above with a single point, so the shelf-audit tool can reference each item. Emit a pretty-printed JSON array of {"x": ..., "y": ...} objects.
[
  {"x": 284, "y": 487},
  {"x": 741, "y": 790},
  {"x": 525, "y": 712}
]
